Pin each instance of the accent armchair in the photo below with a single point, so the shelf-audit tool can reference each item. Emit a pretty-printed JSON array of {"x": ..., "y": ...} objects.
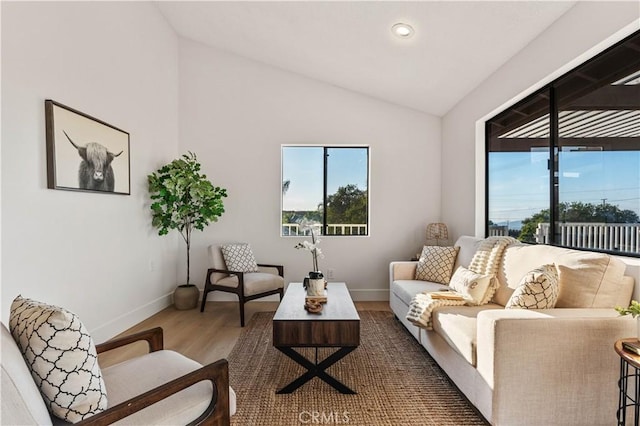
[
  {"x": 161, "y": 387},
  {"x": 263, "y": 280}
]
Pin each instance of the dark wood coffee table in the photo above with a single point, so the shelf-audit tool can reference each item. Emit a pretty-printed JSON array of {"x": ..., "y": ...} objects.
[{"x": 338, "y": 325}]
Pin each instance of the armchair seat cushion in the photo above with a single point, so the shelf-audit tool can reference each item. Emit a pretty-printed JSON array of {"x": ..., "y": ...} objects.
[
  {"x": 138, "y": 375},
  {"x": 254, "y": 282}
]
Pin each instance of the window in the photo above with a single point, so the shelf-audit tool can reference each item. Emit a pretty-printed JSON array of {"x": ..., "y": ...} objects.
[
  {"x": 518, "y": 179},
  {"x": 563, "y": 165},
  {"x": 326, "y": 188}
]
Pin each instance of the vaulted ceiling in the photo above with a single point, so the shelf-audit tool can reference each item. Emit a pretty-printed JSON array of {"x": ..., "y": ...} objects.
[{"x": 349, "y": 44}]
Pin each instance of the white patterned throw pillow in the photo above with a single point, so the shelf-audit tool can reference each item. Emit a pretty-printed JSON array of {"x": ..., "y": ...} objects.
[
  {"x": 436, "y": 264},
  {"x": 62, "y": 358},
  {"x": 538, "y": 289},
  {"x": 239, "y": 257},
  {"x": 476, "y": 289}
]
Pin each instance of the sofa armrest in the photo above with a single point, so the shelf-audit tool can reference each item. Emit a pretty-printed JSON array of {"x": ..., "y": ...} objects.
[
  {"x": 402, "y": 270},
  {"x": 527, "y": 355},
  {"x": 217, "y": 413}
]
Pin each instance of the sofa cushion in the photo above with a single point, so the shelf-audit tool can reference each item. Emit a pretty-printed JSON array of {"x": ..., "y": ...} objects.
[
  {"x": 473, "y": 287},
  {"x": 436, "y": 264},
  {"x": 239, "y": 257},
  {"x": 457, "y": 325},
  {"x": 538, "y": 289},
  {"x": 467, "y": 249},
  {"x": 595, "y": 280},
  {"x": 591, "y": 280},
  {"x": 21, "y": 401},
  {"x": 406, "y": 289},
  {"x": 141, "y": 374},
  {"x": 254, "y": 282},
  {"x": 62, "y": 358}
]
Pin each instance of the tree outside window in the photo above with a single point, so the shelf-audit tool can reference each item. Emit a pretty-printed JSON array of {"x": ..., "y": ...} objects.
[{"x": 326, "y": 187}]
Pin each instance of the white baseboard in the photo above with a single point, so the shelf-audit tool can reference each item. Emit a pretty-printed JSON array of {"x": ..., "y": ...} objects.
[
  {"x": 369, "y": 294},
  {"x": 128, "y": 320}
]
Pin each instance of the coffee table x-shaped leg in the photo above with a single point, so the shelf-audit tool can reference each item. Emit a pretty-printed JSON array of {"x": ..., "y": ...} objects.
[{"x": 315, "y": 369}]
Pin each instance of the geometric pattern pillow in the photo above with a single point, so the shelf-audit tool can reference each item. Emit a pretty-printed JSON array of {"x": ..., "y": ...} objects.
[
  {"x": 538, "y": 289},
  {"x": 436, "y": 264},
  {"x": 239, "y": 258},
  {"x": 62, "y": 358},
  {"x": 476, "y": 289}
]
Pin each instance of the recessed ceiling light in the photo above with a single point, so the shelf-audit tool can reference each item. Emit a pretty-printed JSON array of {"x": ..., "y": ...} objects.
[{"x": 402, "y": 30}]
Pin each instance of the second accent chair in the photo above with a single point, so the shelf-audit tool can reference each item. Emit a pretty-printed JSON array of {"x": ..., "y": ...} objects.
[{"x": 235, "y": 270}]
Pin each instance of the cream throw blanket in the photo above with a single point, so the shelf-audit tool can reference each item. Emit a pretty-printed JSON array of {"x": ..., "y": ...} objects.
[{"x": 485, "y": 261}]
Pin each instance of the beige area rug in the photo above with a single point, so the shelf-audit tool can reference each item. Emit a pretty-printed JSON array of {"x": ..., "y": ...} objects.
[{"x": 396, "y": 381}]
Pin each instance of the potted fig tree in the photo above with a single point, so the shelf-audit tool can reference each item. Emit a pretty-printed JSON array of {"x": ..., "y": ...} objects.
[{"x": 184, "y": 199}]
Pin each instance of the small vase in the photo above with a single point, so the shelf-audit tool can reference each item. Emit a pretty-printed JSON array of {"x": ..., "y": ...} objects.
[
  {"x": 314, "y": 284},
  {"x": 186, "y": 297},
  {"x": 638, "y": 327},
  {"x": 314, "y": 275}
]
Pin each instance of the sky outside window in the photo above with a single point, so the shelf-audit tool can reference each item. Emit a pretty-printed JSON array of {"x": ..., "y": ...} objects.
[
  {"x": 519, "y": 181},
  {"x": 595, "y": 177},
  {"x": 519, "y": 185},
  {"x": 303, "y": 168}
]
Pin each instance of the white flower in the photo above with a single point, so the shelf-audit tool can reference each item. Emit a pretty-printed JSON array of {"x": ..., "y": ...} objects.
[{"x": 311, "y": 246}]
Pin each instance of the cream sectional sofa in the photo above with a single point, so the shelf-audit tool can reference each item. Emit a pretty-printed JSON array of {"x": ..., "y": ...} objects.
[{"x": 530, "y": 367}]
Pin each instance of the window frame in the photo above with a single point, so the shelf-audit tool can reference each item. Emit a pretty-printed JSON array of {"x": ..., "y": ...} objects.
[
  {"x": 554, "y": 144},
  {"x": 324, "y": 224}
]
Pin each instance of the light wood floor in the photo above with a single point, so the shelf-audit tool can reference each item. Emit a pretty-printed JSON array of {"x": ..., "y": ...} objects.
[{"x": 204, "y": 337}]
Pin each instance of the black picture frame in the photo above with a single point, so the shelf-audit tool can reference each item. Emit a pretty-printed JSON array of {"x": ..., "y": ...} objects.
[{"x": 85, "y": 153}]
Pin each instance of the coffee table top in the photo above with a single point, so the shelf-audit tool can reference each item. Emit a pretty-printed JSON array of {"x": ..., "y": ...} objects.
[{"x": 339, "y": 306}]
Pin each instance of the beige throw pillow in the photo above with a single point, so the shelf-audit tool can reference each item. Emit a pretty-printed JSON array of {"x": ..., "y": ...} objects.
[
  {"x": 62, "y": 358},
  {"x": 436, "y": 264},
  {"x": 476, "y": 289},
  {"x": 589, "y": 280},
  {"x": 538, "y": 289}
]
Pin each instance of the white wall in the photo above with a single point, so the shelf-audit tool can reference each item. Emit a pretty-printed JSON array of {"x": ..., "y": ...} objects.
[
  {"x": 580, "y": 33},
  {"x": 94, "y": 254},
  {"x": 235, "y": 114}
]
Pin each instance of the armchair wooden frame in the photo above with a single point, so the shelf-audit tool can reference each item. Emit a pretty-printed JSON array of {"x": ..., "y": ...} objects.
[
  {"x": 239, "y": 289},
  {"x": 217, "y": 413}
]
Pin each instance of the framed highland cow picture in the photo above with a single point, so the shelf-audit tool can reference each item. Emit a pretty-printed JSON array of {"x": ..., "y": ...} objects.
[{"x": 84, "y": 153}]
